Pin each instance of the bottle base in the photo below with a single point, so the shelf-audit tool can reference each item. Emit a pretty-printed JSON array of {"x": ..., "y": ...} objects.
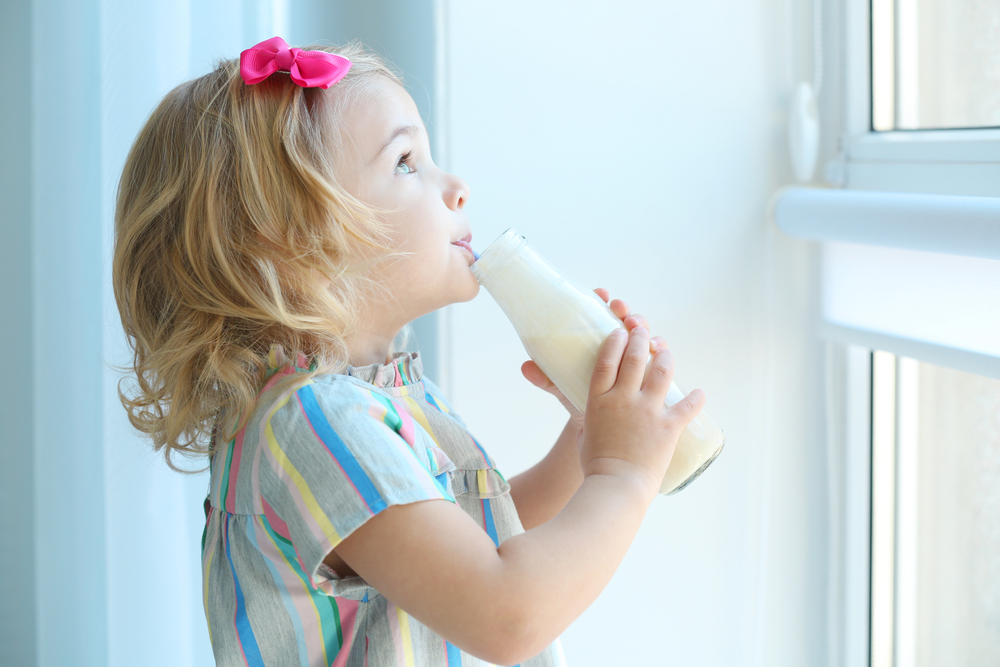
[{"x": 697, "y": 473}]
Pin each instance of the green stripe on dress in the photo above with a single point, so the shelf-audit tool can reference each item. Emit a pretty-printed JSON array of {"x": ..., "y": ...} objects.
[
  {"x": 336, "y": 617},
  {"x": 391, "y": 418},
  {"x": 224, "y": 490},
  {"x": 326, "y": 617}
]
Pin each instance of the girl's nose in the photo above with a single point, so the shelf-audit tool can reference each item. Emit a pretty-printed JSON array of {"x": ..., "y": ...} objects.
[{"x": 457, "y": 193}]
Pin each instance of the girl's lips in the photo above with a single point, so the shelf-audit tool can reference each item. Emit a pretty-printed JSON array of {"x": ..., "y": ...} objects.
[{"x": 465, "y": 242}]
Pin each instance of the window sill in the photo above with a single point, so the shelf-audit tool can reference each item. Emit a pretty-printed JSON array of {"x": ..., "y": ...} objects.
[{"x": 955, "y": 225}]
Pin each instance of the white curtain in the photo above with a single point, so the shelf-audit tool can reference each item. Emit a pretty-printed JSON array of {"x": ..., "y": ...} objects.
[
  {"x": 116, "y": 534},
  {"x": 99, "y": 541}
]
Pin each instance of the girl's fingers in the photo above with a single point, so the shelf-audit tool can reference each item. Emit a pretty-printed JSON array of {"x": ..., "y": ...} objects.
[
  {"x": 609, "y": 358},
  {"x": 535, "y": 375},
  {"x": 620, "y": 308},
  {"x": 633, "y": 365},
  {"x": 683, "y": 411},
  {"x": 636, "y": 320},
  {"x": 661, "y": 373}
]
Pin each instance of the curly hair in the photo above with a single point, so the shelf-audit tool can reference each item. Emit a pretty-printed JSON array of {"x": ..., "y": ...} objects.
[{"x": 231, "y": 235}]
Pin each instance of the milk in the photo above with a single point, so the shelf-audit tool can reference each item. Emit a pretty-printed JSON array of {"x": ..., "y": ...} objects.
[{"x": 562, "y": 327}]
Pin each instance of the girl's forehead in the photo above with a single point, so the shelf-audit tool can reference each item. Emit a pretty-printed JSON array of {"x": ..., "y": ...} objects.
[{"x": 374, "y": 119}]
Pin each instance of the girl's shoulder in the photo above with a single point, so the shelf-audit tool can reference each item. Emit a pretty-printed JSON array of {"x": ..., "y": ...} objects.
[
  {"x": 337, "y": 395},
  {"x": 435, "y": 397},
  {"x": 289, "y": 382}
]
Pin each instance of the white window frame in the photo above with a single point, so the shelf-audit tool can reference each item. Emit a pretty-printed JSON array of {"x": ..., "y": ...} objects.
[
  {"x": 851, "y": 564},
  {"x": 946, "y": 162},
  {"x": 963, "y": 162}
]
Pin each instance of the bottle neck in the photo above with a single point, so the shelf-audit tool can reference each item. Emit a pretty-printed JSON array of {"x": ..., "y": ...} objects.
[{"x": 497, "y": 257}]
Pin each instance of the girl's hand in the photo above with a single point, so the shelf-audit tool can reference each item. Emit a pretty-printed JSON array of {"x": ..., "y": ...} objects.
[
  {"x": 535, "y": 376},
  {"x": 629, "y": 431}
]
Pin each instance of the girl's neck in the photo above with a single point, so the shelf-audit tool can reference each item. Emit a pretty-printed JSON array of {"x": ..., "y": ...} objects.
[{"x": 365, "y": 348}]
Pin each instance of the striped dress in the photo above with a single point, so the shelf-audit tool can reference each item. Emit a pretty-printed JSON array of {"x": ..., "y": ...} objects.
[{"x": 316, "y": 461}]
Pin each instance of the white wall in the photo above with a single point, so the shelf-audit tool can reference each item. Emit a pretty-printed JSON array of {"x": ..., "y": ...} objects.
[{"x": 636, "y": 145}]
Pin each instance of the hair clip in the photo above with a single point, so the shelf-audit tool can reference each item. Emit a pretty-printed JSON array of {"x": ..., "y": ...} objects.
[{"x": 309, "y": 69}]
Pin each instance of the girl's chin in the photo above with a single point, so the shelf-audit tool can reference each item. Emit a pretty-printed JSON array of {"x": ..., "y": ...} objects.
[{"x": 469, "y": 292}]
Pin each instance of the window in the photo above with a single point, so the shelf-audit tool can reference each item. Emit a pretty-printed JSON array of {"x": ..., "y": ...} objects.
[
  {"x": 914, "y": 446},
  {"x": 929, "y": 65},
  {"x": 935, "y": 551},
  {"x": 935, "y": 64}
]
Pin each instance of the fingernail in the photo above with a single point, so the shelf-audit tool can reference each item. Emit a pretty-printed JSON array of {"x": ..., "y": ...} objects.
[
  {"x": 618, "y": 333},
  {"x": 638, "y": 330}
]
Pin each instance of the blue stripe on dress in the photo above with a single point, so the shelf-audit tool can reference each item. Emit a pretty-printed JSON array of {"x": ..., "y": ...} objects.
[
  {"x": 454, "y": 655},
  {"x": 491, "y": 529},
  {"x": 286, "y": 597},
  {"x": 339, "y": 450},
  {"x": 244, "y": 633},
  {"x": 480, "y": 447}
]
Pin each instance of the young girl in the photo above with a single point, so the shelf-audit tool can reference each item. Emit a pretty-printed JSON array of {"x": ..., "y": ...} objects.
[{"x": 279, "y": 221}]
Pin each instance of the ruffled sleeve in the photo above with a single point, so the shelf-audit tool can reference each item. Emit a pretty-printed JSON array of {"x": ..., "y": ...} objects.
[{"x": 337, "y": 455}]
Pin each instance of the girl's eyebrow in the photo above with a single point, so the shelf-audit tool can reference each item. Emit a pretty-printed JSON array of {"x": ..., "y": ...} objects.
[{"x": 406, "y": 129}]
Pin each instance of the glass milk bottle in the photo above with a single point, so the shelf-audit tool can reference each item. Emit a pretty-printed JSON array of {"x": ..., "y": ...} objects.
[{"x": 562, "y": 327}]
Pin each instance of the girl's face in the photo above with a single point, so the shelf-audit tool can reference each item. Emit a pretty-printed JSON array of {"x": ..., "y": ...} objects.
[{"x": 387, "y": 164}]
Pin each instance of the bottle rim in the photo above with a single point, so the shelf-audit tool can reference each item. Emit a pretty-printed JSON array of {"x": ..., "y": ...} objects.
[{"x": 498, "y": 255}]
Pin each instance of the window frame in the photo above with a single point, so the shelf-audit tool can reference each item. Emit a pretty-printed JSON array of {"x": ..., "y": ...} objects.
[
  {"x": 947, "y": 162},
  {"x": 852, "y": 604},
  {"x": 963, "y": 162}
]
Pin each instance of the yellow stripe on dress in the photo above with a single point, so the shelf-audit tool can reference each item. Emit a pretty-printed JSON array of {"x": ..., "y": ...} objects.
[
  {"x": 300, "y": 483},
  {"x": 419, "y": 417},
  {"x": 404, "y": 631},
  {"x": 296, "y": 601},
  {"x": 484, "y": 483}
]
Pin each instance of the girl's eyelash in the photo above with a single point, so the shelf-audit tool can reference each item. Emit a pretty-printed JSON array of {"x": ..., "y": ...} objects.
[{"x": 405, "y": 159}]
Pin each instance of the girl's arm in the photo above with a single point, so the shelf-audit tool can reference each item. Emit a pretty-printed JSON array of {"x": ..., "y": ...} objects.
[
  {"x": 540, "y": 492},
  {"x": 507, "y": 604},
  {"x": 543, "y": 490}
]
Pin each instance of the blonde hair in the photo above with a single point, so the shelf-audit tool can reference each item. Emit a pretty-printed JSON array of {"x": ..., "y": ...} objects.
[{"x": 232, "y": 234}]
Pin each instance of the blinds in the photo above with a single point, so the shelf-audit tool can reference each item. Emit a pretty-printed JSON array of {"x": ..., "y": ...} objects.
[{"x": 918, "y": 275}]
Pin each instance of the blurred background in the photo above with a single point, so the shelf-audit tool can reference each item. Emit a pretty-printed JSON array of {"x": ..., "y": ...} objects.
[{"x": 636, "y": 144}]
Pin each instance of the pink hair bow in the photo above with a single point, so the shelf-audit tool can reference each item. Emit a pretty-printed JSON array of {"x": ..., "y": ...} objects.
[{"x": 309, "y": 69}]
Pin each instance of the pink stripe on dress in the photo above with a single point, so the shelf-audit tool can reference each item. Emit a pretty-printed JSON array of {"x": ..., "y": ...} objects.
[
  {"x": 406, "y": 431},
  {"x": 234, "y": 473},
  {"x": 293, "y": 490},
  {"x": 279, "y": 526},
  {"x": 296, "y": 590},
  {"x": 256, "y": 497},
  {"x": 348, "y": 616},
  {"x": 350, "y": 481},
  {"x": 420, "y": 473},
  {"x": 276, "y": 378},
  {"x": 421, "y": 417}
]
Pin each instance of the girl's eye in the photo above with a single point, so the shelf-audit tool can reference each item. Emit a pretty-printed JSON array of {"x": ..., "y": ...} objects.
[{"x": 404, "y": 166}]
